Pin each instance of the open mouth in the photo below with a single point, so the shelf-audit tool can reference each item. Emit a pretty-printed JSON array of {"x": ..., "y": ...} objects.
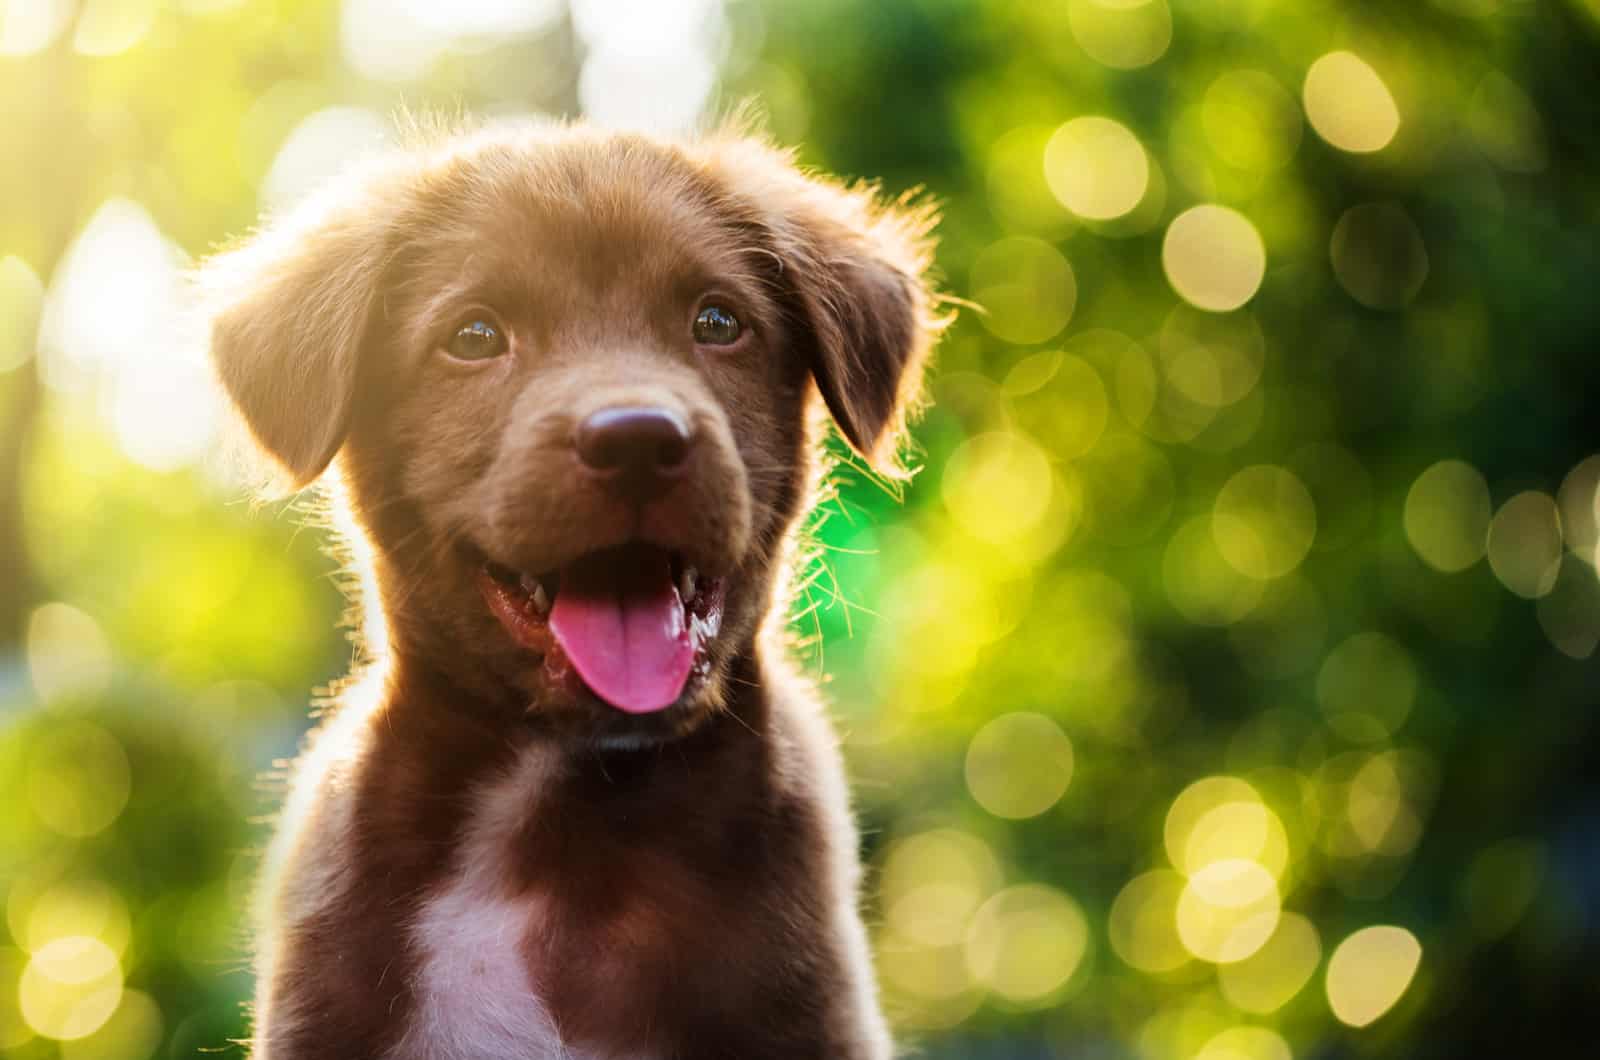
[{"x": 633, "y": 621}]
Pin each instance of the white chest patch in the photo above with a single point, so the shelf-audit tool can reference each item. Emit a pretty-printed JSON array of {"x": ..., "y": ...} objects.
[{"x": 474, "y": 999}]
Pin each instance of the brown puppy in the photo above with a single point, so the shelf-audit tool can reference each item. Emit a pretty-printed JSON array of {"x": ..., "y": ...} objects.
[{"x": 579, "y": 805}]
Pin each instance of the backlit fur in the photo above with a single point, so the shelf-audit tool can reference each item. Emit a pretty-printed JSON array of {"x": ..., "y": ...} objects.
[{"x": 475, "y": 863}]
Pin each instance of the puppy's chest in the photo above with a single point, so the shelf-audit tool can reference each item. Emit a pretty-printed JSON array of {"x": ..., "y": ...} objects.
[
  {"x": 520, "y": 971},
  {"x": 481, "y": 990}
]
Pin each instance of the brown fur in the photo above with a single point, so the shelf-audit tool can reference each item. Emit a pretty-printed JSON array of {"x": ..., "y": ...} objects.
[{"x": 689, "y": 877}]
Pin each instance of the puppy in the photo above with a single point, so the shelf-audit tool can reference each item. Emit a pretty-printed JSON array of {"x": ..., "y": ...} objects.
[{"x": 570, "y": 386}]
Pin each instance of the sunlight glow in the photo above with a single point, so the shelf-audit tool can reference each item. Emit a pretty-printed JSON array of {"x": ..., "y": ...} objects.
[
  {"x": 21, "y": 295},
  {"x": 650, "y": 65},
  {"x": 114, "y": 324},
  {"x": 28, "y": 26},
  {"x": 107, "y": 27},
  {"x": 389, "y": 41},
  {"x": 323, "y": 143}
]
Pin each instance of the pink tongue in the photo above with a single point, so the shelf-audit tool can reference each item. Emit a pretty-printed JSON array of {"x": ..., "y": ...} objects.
[{"x": 620, "y": 620}]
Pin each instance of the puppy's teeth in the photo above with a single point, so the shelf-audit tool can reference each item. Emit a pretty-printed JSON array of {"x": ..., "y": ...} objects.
[
  {"x": 541, "y": 599},
  {"x": 687, "y": 582}
]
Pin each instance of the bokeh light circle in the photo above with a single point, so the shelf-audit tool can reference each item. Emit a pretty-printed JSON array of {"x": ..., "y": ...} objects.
[
  {"x": 1203, "y": 586},
  {"x": 1026, "y": 289},
  {"x": 1264, "y": 521},
  {"x": 1447, "y": 515},
  {"x": 1271, "y": 977},
  {"x": 1525, "y": 544},
  {"x": 78, "y": 779},
  {"x": 1245, "y": 829},
  {"x": 1214, "y": 257},
  {"x": 997, "y": 486},
  {"x": 1212, "y": 359},
  {"x": 1245, "y": 1043},
  {"x": 1096, "y": 168},
  {"x": 933, "y": 882},
  {"x": 1349, "y": 105},
  {"x": 1121, "y": 35},
  {"x": 1143, "y": 923},
  {"x": 70, "y": 987},
  {"x": 1369, "y": 973},
  {"x": 1367, "y": 686},
  {"x": 1228, "y": 910},
  {"x": 1223, "y": 818},
  {"x": 1569, "y": 613},
  {"x": 1378, "y": 255},
  {"x": 133, "y": 1032},
  {"x": 1019, "y": 765},
  {"x": 1026, "y": 943},
  {"x": 1250, "y": 121},
  {"x": 1579, "y": 500}
]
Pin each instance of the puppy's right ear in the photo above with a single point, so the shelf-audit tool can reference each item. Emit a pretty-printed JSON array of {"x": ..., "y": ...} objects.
[{"x": 290, "y": 310}]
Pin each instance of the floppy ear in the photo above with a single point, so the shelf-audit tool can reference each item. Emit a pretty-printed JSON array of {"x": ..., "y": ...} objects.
[
  {"x": 290, "y": 310},
  {"x": 856, "y": 268}
]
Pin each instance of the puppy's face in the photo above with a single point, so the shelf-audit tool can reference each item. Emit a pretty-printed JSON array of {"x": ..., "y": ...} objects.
[{"x": 568, "y": 378}]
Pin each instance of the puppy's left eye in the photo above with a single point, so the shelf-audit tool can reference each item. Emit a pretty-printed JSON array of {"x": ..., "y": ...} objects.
[
  {"x": 477, "y": 340},
  {"x": 716, "y": 326}
]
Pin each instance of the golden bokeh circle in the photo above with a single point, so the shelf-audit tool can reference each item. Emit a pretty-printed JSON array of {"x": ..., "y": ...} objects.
[
  {"x": 1214, "y": 257},
  {"x": 1096, "y": 168},
  {"x": 1369, "y": 973},
  {"x": 1019, "y": 765},
  {"x": 1348, "y": 104}
]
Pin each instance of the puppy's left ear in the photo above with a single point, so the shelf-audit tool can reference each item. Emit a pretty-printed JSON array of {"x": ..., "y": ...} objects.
[
  {"x": 855, "y": 268},
  {"x": 289, "y": 312}
]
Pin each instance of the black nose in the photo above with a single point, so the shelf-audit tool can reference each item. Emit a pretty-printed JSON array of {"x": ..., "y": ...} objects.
[{"x": 639, "y": 448}]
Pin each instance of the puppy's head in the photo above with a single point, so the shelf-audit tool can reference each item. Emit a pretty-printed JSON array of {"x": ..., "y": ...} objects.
[{"x": 567, "y": 377}]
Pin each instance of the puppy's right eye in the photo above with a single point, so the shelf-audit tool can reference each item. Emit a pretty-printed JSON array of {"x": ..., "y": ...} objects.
[{"x": 477, "y": 340}]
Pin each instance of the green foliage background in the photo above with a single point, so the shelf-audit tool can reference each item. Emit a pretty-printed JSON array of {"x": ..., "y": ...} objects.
[{"x": 1078, "y": 609}]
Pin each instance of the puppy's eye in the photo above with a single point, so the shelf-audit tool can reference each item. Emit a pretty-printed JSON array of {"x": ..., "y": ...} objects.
[
  {"x": 477, "y": 340},
  {"x": 716, "y": 326}
]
